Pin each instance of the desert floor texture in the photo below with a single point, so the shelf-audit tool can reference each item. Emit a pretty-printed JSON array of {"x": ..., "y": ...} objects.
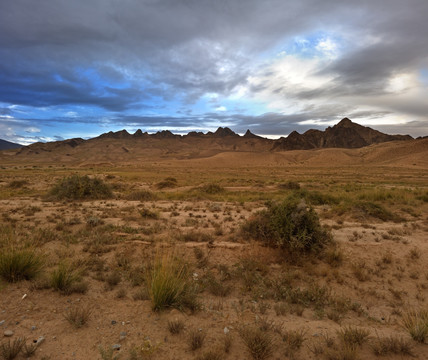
[{"x": 364, "y": 296}]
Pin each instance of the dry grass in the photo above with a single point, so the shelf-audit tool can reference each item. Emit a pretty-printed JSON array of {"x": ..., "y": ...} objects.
[
  {"x": 169, "y": 284},
  {"x": 196, "y": 339},
  {"x": 20, "y": 264},
  {"x": 416, "y": 323},
  {"x": 10, "y": 349},
  {"x": 78, "y": 316},
  {"x": 259, "y": 342}
]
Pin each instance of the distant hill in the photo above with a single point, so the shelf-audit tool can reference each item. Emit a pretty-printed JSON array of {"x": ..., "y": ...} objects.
[
  {"x": 140, "y": 147},
  {"x": 346, "y": 134},
  {"x": 7, "y": 145}
]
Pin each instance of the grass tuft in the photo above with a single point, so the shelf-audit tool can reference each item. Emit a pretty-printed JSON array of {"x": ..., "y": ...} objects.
[
  {"x": 392, "y": 345},
  {"x": 175, "y": 326},
  {"x": 416, "y": 323},
  {"x": 78, "y": 316},
  {"x": 20, "y": 264},
  {"x": 64, "y": 278},
  {"x": 259, "y": 343},
  {"x": 11, "y": 349},
  {"x": 196, "y": 339},
  {"x": 169, "y": 284},
  {"x": 353, "y": 336}
]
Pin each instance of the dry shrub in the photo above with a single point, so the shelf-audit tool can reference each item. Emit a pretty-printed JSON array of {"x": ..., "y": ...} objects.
[
  {"x": 76, "y": 187},
  {"x": 291, "y": 225}
]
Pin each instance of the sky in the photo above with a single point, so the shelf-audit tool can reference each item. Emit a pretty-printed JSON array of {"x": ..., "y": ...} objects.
[{"x": 82, "y": 68}]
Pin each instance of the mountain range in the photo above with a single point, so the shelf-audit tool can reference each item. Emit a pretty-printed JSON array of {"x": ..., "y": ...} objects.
[
  {"x": 345, "y": 138},
  {"x": 7, "y": 145}
]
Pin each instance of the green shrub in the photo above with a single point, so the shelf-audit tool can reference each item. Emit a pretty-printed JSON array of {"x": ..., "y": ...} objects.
[
  {"x": 20, "y": 264},
  {"x": 76, "y": 187},
  {"x": 290, "y": 225},
  {"x": 316, "y": 197},
  {"x": 169, "y": 284}
]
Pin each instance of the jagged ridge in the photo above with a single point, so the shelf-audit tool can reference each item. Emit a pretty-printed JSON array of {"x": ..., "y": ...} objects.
[{"x": 345, "y": 134}]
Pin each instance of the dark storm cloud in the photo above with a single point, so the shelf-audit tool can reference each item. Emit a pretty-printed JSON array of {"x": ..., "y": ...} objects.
[
  {"x": 181, "y": 50},
  {"x": 187, "y": 47}
]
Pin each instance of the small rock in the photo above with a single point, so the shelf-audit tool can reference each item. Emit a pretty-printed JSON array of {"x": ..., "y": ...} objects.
[
  {"x": 113, "y": 322},
  {"x": 123, "y": 323},
  {"x": 2, "y": 322},
  {"x": 33, "y": 328},
  {"x": 8, "y": 333},
  {"x": 122, "y": 336},
  {"x": 226, "y": 331},
  {"x": 116, "y": 347},
  {"x": 40, "y": 340}
]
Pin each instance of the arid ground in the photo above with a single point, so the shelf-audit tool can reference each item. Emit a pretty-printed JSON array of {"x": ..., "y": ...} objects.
[{"x": 363, "y": 296}]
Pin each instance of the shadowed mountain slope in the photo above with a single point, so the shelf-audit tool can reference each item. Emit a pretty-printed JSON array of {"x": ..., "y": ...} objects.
[
  {"x": 7, "y": 145},
  {"x": 346, "y": 134}
]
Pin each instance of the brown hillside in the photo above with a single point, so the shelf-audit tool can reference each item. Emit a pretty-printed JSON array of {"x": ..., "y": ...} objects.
[{"x": 345, "y": 134}]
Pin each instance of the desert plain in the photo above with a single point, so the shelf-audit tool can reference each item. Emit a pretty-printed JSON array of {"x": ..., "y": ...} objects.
[{"x": 363, "y": 295}]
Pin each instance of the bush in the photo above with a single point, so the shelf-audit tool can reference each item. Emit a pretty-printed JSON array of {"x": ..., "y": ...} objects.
[
  {"x": 376, "y": 211},
  {"x": 169, "y": 284},
  {"x": 19, "y": 264},
  {"x": 291, "y": 225},
  {"x": 76, "y": 187},
  {"x": 168, "y": 182}
]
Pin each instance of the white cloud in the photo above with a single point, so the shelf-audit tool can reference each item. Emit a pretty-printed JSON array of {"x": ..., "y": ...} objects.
[
  {"x": 328, "y": 48},
  {"x": 32, "y": 130}
]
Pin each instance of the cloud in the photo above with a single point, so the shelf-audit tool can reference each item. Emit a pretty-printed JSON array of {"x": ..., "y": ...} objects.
[{"x": 156, "y": 61}]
